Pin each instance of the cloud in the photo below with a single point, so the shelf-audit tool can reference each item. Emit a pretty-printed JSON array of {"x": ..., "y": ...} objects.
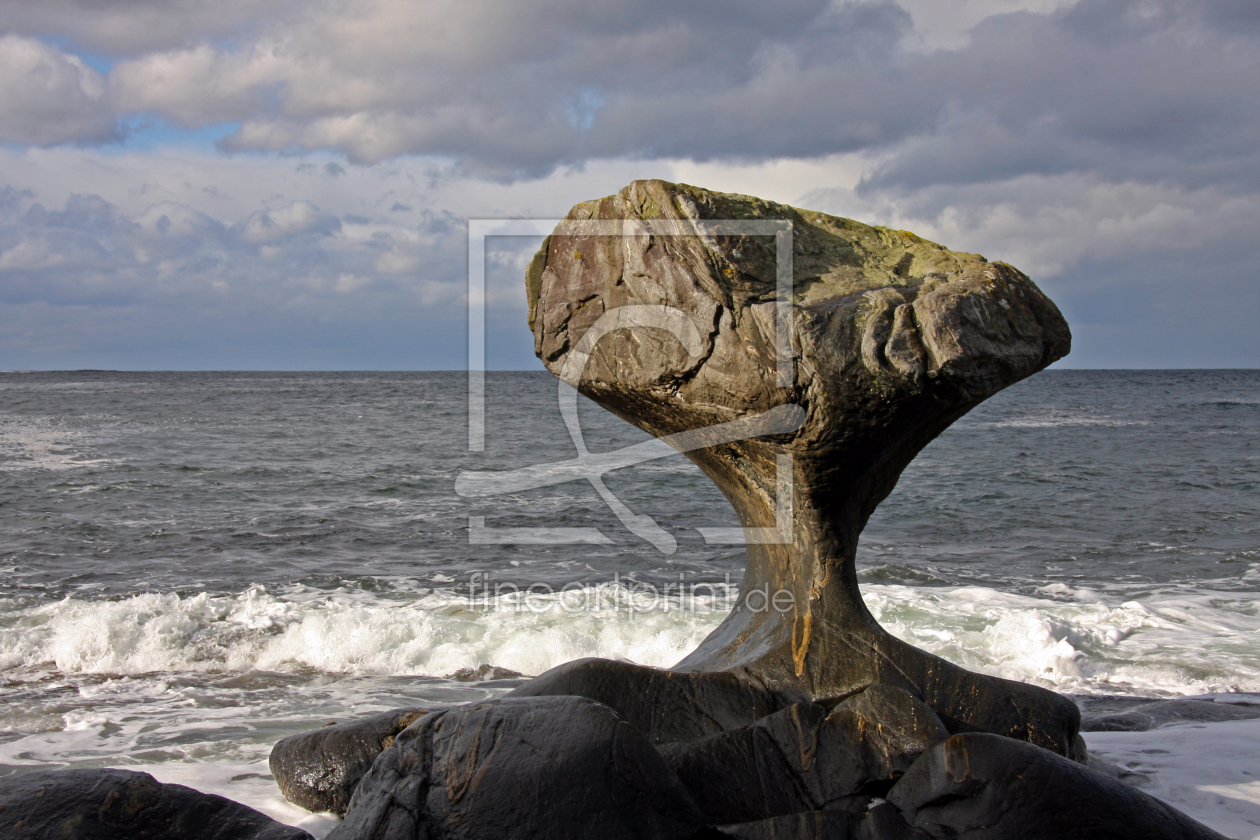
[
  {"x": 947, "y": 91},
  {"x": 515, "y": 91},
  {"x": 289, "y": 274},
  {"x": 120, "y": 27},
  {"x": 1104, "y": 146},
  {"x": 48, "y": 96},
  {"x": 295, "y": 219}
]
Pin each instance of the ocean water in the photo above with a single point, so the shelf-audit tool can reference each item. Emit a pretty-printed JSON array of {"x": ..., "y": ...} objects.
[{"x": 194, "y": 565}]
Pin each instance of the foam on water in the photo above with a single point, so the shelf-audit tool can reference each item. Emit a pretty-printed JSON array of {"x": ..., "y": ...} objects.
[
  {"x": 1178, "y": 641},
  {"x": 42, "y": 443},
  {"x": 344, "y": 632},
  {"x": 195, "y": 689}
]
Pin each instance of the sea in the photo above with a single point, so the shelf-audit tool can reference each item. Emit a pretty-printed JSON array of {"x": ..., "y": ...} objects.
[{"x": 195, "y": 565}]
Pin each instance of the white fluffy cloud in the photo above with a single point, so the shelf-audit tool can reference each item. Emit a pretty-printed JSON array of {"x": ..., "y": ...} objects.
[
  {"x": 48, "y": 96},
  {"x": 295, "y": 219}
]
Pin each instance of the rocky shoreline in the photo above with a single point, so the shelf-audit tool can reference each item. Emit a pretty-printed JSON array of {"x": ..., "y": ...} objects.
[
  {"x": 320, "y": 770},
  {"x": 802, "y": 361}
]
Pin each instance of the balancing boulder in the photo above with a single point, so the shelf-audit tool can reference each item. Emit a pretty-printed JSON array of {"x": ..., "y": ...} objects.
[{"x": 672, "y": 307}]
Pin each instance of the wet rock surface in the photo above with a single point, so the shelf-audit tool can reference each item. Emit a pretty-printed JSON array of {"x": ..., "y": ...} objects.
[
  {"x": 521, "y": 767},
  {"x": 82, "y": 804},
  {"x": 663, "y": 705},
  {"x": 1130, "y": 714},
  {"x": 319, "y": 770},
  {"x": 484, "y": 672},
  {"x": 986, "y": 787},
  {"x": 807, "y": 758}
]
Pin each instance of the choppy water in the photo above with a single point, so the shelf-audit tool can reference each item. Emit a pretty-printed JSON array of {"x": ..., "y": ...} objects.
[{"x": 193, "y": 565}]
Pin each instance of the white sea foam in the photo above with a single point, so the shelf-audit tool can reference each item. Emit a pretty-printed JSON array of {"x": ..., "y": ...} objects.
[
  {"x": 431, "y": 634},
  {"x": 196, "y": 689},
  {"x": 1175, "y": 642},
  {"x": 1209, "y": 771},
  {"x": 40, "y": 443}
]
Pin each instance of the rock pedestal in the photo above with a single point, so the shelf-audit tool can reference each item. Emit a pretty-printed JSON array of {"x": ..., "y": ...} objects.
[{"x": 654, "y": 304}]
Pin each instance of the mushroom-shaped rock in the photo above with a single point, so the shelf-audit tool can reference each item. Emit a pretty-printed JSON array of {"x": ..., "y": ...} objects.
[{"x": 801, "y": 360}]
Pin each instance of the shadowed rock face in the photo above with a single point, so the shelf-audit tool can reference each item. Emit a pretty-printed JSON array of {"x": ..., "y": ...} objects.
[
  {"x": 981, "y": 787},
  {"x": 887, "y": 339},
  {"x": 320, "y": 769},
  {"x": 521, "y": 767},
  {"x": 107, "y": 804}
]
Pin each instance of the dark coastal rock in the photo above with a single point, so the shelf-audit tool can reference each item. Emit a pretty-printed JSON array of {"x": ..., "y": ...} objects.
[
  {"x": 986, "y": 787},
  {"x": 1123, "y": 714},
  {"x": 805, "y": 758},
  {"x": 563, "y": 767},
  {"x": 883, "y": 822},
  {"x": 664, "y": 706},
  {"x": 124, "y": 805},
  {"x": 1132, "y": 778},
  {"x": 659, "y": 315},
  {"x": 891, "y": 727},
  {"x": 319, "y": 770},
  {"x": 484, "y": 672}
]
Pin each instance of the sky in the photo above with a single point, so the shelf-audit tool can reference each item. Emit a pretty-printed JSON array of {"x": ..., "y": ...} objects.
[{"x": 285, "y": 185}]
